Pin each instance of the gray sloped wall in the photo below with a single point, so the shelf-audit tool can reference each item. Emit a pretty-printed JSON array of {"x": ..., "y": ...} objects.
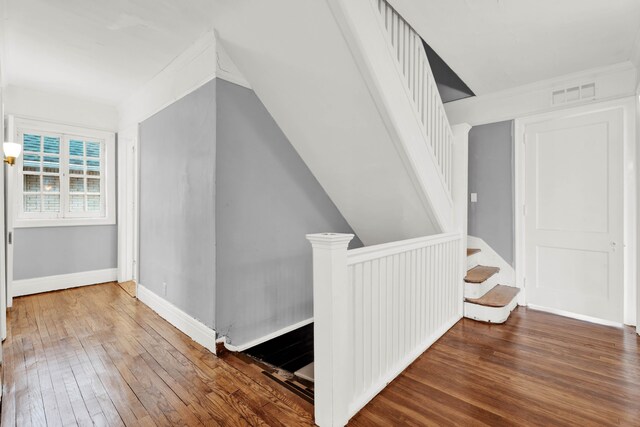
[
  {"x": 177, "y": 203},
  {"x": 267, "y": 200},
  {"x": 225, "y": 204}
]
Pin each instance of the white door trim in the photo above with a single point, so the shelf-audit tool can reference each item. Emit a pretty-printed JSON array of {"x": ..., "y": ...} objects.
[
  {"x": 127, "y": 203},
  {"x": 628, "y": 106},
  {"x": 9, "y": 212},
  {"x": 3, "y": 247}
]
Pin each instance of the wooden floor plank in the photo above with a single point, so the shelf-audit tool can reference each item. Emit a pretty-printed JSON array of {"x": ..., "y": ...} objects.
[
  {"x": 537, "y": 369},
  {"x": 95, "y": 355},
  {"x": 129, "y": 287}
]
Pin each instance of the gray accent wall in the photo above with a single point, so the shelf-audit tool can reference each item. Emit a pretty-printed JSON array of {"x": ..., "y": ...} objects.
[
  {"x": 491, "y": 176},
  {"x": 50, "y": 251},
  {"x": 267, "y": 200},
  {"x": 177, "y": 203}
]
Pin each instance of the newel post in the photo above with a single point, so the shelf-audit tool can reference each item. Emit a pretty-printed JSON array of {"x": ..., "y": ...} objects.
[
  {"x": 460, "y": 195},
  {"x": 331, "y": 336}
]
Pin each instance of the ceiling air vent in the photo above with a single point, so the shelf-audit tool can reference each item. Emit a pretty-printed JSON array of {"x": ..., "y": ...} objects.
[{"x": 574, "y": 94}]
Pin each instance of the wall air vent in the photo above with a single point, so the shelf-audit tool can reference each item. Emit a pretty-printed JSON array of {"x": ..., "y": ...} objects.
[{"x": 574, "y": 94}]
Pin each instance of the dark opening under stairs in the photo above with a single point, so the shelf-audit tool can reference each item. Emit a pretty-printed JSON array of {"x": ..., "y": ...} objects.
[
  {"x": 287, "y": 360},
  {"x": 290, "y": 351}
]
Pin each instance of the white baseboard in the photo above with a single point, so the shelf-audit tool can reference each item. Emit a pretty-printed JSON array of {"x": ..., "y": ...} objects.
[
  {"x": 62, "y": 281},
  {"x": 576, "y": 316},
  {"x": 253, "y": 343},
  {"x": 194, "y": 329}
]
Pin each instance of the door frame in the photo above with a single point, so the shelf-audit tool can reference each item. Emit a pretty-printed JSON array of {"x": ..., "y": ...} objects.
[
  {"x": 128, "y": 204},
  {"x": 4, "y": 293},
  {"x": 630, "y": 243}
]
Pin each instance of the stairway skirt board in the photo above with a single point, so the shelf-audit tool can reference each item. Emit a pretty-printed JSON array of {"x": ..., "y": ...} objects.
[
  {"x": 489, "y": 314},
  {"x": 473, "y": 258},
  {"x": 290, "y": 352},
  {"x": 485, "y": 299}
]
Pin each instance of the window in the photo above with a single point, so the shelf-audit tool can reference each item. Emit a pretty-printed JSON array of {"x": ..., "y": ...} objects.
[{"x": 66, "y": 176}]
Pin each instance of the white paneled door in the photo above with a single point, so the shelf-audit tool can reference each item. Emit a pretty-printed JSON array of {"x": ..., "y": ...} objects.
[{"x": 574, "y": 214}]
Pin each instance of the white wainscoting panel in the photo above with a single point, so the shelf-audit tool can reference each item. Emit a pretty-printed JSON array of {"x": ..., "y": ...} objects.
[{"x": 376, "y": 310}]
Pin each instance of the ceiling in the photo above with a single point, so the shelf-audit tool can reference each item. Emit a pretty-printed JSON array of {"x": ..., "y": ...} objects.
[
  {"x": 97, "y": 49},
  {"x": 499, "y": 44},
  {"x": 106, "y": 49}
]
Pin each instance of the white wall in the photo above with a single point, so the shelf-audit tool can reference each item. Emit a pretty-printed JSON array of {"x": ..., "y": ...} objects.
[
  {"x": 190, "y": 70},
  {"x": 31, "y": 243},
  {"x": 611, "y": 82},
  {"x": 62, "y": 109},
  {"x": 635, "y": 59},
  {"x": 614, "y": 82}
]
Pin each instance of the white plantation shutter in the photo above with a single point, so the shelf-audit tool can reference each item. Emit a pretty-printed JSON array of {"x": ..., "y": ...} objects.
[
  {"x": 41, "y": 174},
  {"x": 62, "y": 176},
  {"x": 85, "y": 172}
]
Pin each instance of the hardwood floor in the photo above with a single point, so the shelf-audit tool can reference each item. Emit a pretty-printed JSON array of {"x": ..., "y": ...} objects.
[
  {"x": 95, "y": 355},
  {"x": 537, "y": 369}
]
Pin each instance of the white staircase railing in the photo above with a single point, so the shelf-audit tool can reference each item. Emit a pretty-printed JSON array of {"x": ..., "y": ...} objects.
[
  {"x": 413, "y": 64},
  {"x": 376, "y": 309}
]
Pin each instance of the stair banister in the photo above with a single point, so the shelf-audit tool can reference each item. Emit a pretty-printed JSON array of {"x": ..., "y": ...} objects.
[
  {"x": 393, "y": 62},
  {"x": 376, "y": 309},
  {"x": 413, "y": 65}
]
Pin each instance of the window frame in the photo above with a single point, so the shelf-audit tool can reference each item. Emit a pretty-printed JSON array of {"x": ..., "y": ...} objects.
[{"x": 107, "y": 213}]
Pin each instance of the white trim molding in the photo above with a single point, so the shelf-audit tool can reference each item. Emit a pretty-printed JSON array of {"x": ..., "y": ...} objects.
[
  {"x": 127, "y": 203},
  {"x": 62, "y": 281},
  {"x": 611, "y": 82},
  {"x": 188, "y": 71},
  {"x": 255, "y": 342},
  {"x": 200, "y": 63},
  {"x": 194, "y": 329},
  {"x": 575, "y": 316},
  {"x": 226, "y": 69}
]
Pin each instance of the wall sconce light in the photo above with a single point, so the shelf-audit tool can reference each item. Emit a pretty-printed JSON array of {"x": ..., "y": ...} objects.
[{"x": 11, "y": 152}]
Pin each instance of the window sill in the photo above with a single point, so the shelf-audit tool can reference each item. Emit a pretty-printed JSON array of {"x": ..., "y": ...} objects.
[{"x": 67, "y": 222}]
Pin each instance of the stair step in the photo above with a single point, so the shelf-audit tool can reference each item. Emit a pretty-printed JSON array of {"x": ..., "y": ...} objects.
[
  {"x": 499, "y": 296},
  {"x": 306, "y": 372},
  {"x": 472, "y": 251},
  {"x": 480, "y": 274}
]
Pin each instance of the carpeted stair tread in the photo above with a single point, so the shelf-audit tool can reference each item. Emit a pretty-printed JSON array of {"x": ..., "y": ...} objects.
[
  {"x": 480, "y": 273},
  {"x": 499, "y": 296}
]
